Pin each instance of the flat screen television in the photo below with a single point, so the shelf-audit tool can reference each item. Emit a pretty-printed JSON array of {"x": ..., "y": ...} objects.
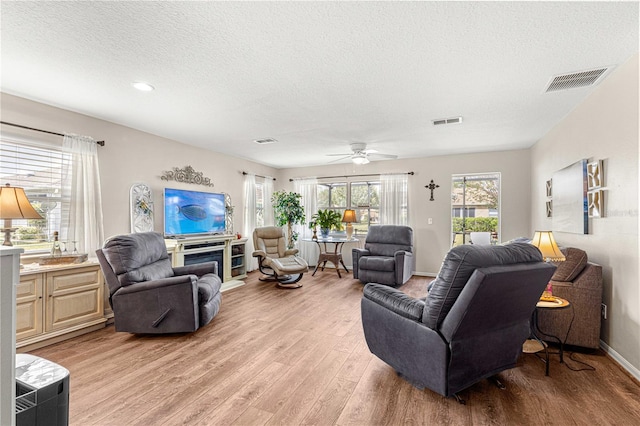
[{"x": 193, "y": 213}]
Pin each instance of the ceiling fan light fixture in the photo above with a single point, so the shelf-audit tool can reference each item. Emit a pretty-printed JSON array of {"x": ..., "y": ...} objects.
[{"x": 360, "y": 159}]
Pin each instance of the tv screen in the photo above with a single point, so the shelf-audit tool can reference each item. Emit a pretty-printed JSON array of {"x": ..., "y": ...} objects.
[{"x": 193, "y": 212}]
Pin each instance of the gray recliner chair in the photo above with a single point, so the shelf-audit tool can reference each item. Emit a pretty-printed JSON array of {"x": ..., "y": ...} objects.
[
  {"x": 148, "y": 295},
  {"x": 387, "y": 257},
  {"x": 471, "y": 326}
]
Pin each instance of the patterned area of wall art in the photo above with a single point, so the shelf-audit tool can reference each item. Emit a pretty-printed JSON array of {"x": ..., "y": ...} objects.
[
  {"x": 594, "y": 175},
  {"x": 549, "y": 203},
  {"x": 596, "y": 203},
  {"x": 595, "y": 182}
]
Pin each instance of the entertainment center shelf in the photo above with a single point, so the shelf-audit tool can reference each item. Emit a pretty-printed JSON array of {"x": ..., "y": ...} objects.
[{"x": 227, "y": 250}]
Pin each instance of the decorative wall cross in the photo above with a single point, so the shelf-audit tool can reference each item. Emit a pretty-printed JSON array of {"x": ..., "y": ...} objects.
[{"x": 431, "y": 187}]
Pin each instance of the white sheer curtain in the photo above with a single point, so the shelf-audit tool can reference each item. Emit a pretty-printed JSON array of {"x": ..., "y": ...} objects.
[
  {"x": 308, "y": 189},
  {"x": 394, "y": 205},
  {"x": 81, "y": 186},
  {"x": 249, "y": 220},
  {"x": 267, "y": 193}
]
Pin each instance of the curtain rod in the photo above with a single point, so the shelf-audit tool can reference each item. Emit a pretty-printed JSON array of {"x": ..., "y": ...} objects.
[
  {"x": 345, "y": 176},
  {"x": 101, "y": 143},
  {"x": 264, "y": 177}
]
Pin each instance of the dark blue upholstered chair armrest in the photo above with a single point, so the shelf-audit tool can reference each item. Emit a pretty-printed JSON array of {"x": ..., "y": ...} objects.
[
  {"x": 180, "y": 280},
  {"x": 198, "y": 269},
  {"x": 404, "y": 266},
  {"x": 356, "y": 254},
  {"x": 395, "y": 300}
]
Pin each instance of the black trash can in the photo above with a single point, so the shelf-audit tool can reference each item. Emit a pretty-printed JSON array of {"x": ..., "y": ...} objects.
[{"x": 42, "y": 392}]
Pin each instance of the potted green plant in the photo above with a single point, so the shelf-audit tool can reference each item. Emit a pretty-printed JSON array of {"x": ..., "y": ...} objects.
[
  {"x": 327, "y": 220},
  {"x": 288, "y": 211}
]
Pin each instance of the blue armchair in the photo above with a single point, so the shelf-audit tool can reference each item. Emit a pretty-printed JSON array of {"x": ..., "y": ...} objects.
[{"x": 387, "y": 257}]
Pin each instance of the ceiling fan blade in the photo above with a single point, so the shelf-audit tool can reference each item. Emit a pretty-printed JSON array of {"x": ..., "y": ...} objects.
[
  {"x": 336, "y": 155},
  {"x": 339, "y": 159},
  {"x": 370, "y": 151},
  {"x": 390, "y": 156}
]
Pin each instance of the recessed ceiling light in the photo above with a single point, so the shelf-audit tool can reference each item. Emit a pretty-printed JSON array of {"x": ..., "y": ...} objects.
[{"x": 142, "y": 86}]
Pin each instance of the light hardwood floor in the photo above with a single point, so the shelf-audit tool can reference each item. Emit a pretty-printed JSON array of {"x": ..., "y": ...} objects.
[{"x": 290, "y": 357}]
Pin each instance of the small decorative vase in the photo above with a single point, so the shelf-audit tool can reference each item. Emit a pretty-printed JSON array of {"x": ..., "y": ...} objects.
[{"x": 324, "y": 232}]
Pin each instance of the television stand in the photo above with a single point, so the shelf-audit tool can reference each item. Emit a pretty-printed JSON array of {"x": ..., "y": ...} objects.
[{"x": 227, "y": 250}]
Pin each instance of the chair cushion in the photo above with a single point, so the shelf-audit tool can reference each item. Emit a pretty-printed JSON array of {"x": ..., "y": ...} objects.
[
  {"x": 575, "y": 262},
  {"x": 288, "y": 265},
  {"x": 138, "y": 257},
  {"x": 457, "y": 267},
  {"x": 377, "y": 263},
  {"x": 385, "y": 240}
]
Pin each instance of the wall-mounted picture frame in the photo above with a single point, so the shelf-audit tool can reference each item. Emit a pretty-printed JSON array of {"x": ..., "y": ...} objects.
[
  {"x": 549, "y": 208},
  {"x": 595, "y": 200},
  {"x": 549, "y": 187},
  {"x": 595, "y": 175}
]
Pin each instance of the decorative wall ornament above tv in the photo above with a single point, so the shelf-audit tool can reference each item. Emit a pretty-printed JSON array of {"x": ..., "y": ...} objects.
[{"x": 186, "y": 175}]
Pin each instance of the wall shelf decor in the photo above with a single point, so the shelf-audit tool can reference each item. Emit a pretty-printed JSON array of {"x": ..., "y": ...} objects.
[
  {"x": 595, "y": 200},
  {"x": 186, "y": 175},
  {"x": 594, "y": 175}
]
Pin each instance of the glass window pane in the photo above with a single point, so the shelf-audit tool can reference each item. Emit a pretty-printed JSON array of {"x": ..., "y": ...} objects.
[
  {"x": 339, "y": 195},
  {"x": 359, "y": 194},
  {"x": 374, "y": 194},
  {"x": 475, "y": 206},
  {"x": 39, "y": 172},
  {"x": 322, "y": 200}
]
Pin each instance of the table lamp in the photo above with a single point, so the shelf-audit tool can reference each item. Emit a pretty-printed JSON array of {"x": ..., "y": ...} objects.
[
  {"x": 349, "y": 217},
  {"x": 550, "y": 253},
  {"x": 14, "y": 204}
]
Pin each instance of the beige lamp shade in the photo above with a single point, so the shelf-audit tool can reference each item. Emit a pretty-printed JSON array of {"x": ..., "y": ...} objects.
[
  {"x": 547, "y": 245},
  {"x": 14, "y": 204},
  {"x": 349, "y": 216}
]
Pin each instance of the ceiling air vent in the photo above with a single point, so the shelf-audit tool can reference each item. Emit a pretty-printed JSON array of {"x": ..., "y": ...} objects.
[
  {"x": 454, "y": 120},
  {"x": 575, "y": 79},
  {"x": 265, "y": 141}
]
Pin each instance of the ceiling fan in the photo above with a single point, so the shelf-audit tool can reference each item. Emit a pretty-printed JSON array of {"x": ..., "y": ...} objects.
[{"x": 360, "y": 154}]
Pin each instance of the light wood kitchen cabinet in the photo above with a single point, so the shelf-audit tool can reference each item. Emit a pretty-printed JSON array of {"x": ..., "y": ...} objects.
[{"x": 55, "y": 303}]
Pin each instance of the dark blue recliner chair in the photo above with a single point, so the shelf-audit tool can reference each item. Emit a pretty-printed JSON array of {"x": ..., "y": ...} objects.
[{"x": 472, "y": 324}]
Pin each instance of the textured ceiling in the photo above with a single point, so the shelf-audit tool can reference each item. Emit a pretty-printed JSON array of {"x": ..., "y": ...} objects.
[{"x": 316, "y": 76}]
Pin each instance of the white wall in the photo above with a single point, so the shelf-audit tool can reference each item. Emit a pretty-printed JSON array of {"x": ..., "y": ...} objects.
[
  {"x": 605, "y": 127},
  {"x": 131, "y": 156},
  {"x": 433, "y": 241}
]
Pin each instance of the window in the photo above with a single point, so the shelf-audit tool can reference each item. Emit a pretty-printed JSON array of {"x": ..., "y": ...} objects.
[
  {"x": 475, "y": 206},
  {"x": 363, "y": 197},
  {"x": 39, "y": 171}
]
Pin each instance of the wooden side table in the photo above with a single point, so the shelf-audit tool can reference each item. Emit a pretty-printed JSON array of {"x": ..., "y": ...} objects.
[
  {"x": 535, "y": 344},
  {"x": 326, "y": 255}
]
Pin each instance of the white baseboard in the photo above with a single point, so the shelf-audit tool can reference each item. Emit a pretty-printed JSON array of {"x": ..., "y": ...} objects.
[
  {"x": 228, "y": 285},
  {"x": 620, "y": 360},
  {"x": 426, "y": 274}
]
